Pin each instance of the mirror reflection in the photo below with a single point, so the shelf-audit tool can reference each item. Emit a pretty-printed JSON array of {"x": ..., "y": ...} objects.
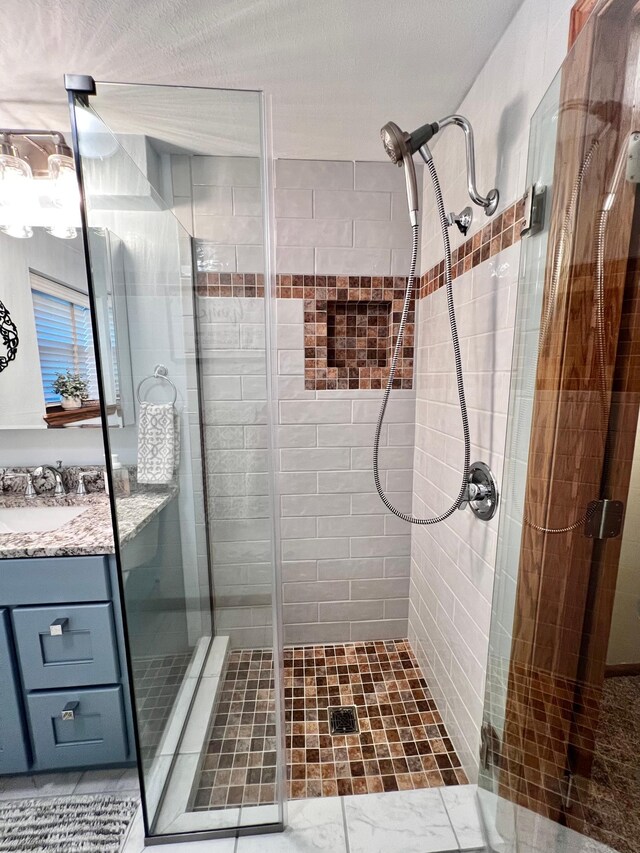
[{"x": 48, "y": 376}]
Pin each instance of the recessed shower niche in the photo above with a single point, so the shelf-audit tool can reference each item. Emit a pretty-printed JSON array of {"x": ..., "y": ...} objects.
[
  {"x": 358, "y": 334},
  {"x": 350, "y": 328}
]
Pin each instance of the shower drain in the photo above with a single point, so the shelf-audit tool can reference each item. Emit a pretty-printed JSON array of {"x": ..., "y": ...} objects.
[{"x": 343, "y": 721}]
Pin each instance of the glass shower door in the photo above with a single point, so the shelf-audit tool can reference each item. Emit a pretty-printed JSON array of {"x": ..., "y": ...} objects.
[
  {"x": 138, "y": 148},
  {"x": 556, "y": 760}
]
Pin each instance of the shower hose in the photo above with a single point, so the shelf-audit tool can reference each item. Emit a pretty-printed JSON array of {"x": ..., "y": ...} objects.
[
  {"x": 458, "y": 363},
  {"x": 558, "y": 260}
]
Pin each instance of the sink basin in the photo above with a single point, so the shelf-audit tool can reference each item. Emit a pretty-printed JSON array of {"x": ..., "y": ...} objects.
[{"x": 37, "y": 519}]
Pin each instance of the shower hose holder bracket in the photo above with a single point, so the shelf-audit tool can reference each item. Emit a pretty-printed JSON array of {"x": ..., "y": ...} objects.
[
  {"x": 463, "y": 220},
  {"x": 482, "y": 492}
]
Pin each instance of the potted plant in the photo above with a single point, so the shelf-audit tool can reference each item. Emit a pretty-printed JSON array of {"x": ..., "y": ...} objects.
[{"x": 72, "y": 388}]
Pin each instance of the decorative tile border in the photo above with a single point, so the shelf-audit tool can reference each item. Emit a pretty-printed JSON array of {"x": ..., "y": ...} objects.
[
  {"x": 243, "y": 284},
  {"x": 498, "y": 234},
  {"x": 351, "y": 322}
]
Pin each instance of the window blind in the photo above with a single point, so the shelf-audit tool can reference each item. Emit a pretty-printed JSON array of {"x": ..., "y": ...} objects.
[{"x": 65, "y": 340}]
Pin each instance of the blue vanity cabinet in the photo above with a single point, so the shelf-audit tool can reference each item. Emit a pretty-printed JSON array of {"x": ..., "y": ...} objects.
[
  {"x": 62, "y": 655},
  {"x": 14, "y": 755}
]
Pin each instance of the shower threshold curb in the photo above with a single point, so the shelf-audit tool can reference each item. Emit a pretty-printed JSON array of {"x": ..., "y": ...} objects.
[{"x": 181, "y": 758}]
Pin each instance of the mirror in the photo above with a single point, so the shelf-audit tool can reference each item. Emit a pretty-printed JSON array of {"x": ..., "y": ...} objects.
[{"x": 48, "y": 376}]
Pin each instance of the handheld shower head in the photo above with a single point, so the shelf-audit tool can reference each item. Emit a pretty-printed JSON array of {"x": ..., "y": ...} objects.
[
  {"x": 400, "y": 147},
  {"x": 394, "y": 142}
]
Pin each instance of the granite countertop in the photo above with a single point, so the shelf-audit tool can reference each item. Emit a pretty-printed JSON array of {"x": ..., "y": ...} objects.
[{"x": 89, "y": 533}]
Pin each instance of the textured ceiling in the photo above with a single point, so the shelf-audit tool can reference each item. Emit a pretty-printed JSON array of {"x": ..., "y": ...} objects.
[{"x": 336, "y": 69}]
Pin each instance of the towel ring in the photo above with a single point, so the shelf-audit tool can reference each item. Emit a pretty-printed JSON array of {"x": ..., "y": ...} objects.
[{"x": 159, "y": 372}]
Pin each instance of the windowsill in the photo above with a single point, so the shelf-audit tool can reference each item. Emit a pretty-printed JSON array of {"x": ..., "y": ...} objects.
[{"x": 58, "y": 417}]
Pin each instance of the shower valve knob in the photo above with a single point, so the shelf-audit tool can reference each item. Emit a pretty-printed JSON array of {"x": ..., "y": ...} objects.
[{"x": 481, "y": 494}]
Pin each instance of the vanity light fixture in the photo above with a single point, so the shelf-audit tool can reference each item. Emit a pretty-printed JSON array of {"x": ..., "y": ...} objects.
[{"x": 37, "y": 184}]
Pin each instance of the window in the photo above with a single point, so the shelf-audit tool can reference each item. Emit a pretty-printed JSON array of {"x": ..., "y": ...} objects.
[{"x": 65, "y": 340}]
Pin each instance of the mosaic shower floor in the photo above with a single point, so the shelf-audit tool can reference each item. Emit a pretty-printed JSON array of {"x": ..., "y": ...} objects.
[
  {"x": 402, "y": 742},
  {"x": 157, "y": 682}
]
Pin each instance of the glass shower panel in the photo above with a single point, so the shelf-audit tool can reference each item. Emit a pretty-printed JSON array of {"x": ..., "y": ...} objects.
[
  {"x": 160, "y": 165},
  {"x": 560, "y": 715},
  {"x": 540, "y": 169}
]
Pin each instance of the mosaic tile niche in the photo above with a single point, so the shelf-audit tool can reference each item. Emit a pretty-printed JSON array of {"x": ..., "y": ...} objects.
[{"x": 350, "y": 328}]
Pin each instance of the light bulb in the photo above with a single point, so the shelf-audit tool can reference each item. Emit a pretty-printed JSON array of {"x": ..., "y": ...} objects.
[
  {"x": 64, "y": 195},
  {"x": 19, "y": 231},
  {"x": 63, "y": 232},
  {"x": 14, "y": 176},
  {"x": 63, "y": 174},
  {"x": 15, "y": 194}
]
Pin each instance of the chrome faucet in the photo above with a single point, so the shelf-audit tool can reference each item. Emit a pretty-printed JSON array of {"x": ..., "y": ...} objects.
[{"x": 59, "y": 490}]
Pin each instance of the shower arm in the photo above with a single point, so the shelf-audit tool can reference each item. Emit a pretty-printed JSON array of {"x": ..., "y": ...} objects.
[{"x": 490, "y": 202}]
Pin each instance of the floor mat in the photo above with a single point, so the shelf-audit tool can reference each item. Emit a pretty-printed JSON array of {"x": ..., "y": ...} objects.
[{"x": 65, "y": 824}]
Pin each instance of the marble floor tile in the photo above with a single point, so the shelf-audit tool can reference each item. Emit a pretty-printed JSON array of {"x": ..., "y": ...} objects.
[
  {"x": 312, "y": 825},
  {"x": 399, "y": 822},
  {"x": 111, "y": 781},
  {"x": 462, "y": 808},
  {"x": 39, "y": 785},
  {"x": 134, "y": 842}
]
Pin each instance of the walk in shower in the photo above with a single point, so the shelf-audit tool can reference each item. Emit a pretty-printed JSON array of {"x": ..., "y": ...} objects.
[{"x": 290, "y": 634}]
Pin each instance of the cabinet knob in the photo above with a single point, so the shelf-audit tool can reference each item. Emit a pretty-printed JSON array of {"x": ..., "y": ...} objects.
[
  {"x": 57, "y": 626},
  {"x": 69, "y": 711}
]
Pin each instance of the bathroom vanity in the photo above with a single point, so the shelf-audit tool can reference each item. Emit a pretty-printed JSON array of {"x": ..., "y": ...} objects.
[{"x": 65, "y": 701}]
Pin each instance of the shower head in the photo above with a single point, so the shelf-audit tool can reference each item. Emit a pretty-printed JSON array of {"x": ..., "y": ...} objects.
[
  {"x": 399, "y": 144},
  {"x": 400, "y": 147}
]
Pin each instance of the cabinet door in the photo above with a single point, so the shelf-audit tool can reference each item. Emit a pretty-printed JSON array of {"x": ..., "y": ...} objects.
[
  {"x": 66, "y": 645},
  {"x": 14, "y": 757},
  {"x": 78, "y": 728}
]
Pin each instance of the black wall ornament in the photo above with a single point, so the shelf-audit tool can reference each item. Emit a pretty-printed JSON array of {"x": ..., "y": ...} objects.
[{"x": 8, "y": 336}]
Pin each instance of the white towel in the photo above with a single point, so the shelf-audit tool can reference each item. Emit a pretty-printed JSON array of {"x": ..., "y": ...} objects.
[{"x": 158, "y": 443}]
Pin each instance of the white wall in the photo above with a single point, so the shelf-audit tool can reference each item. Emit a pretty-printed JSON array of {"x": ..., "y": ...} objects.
[
  {"x": 452, "y": 563},
  {"x": 345, "y": 559}
]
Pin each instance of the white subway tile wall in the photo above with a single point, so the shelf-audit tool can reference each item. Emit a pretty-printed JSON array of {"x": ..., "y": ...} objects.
[
  {"x": 453, "y": 563},
  {"x": 343, "y": 578},
  {"x": 233, "y": 371},
  {"x": 345, "y": 559},
  {"x": 332, "y": 217}
]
